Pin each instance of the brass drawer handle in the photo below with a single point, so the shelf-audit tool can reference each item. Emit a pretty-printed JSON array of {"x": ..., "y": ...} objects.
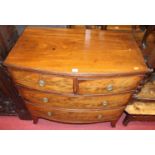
[
  {"x": 45, "y": 100},
  {"x": 49, "y": 113},
  {"x": 41, "y": 83},
  {"x": 104, "y": 103},
  {"x": 110, "y": 87},
  {"x": 100, "y": 116}
]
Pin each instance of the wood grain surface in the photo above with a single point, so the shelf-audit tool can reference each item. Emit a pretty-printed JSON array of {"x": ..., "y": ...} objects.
[
  {"x": 76, "y": 76},
  {"x": 89, "y": 51},
  {"x": 51, "y": 82},
  {"x": 74, "y": 115},
  {"x": 75, "y": 102},
  {"x": 101, "y": 85}
]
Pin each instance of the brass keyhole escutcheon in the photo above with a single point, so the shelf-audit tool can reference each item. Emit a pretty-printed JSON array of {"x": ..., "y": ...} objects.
[{"x": 110, "y": 87}]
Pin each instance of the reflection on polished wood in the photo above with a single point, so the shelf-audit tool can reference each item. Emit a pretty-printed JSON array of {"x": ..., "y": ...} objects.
[
  {"x": 76, "y": 76},
  {"x": 85, "y": 102},
  {"x": 90, "y": 51}
]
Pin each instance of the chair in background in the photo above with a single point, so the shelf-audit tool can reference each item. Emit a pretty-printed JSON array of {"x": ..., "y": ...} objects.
[{"x": 142, "y": 105}]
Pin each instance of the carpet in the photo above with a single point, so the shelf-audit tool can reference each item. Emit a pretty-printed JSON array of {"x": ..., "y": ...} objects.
[{"x": 14, "y": 123}]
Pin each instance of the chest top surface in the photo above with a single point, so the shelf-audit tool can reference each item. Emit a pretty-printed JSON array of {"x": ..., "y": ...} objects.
[{"x": 66, "y": 50}]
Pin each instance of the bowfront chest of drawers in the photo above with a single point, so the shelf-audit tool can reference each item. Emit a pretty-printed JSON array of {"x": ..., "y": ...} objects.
[{"x": 76, "y": 76}]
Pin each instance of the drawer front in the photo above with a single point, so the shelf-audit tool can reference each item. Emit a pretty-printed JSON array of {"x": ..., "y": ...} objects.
[
  {"x": 88, "y": 102},
  {"x": 75, "y": 116},
  {"x": 108, "y": 85},
  {"x": 42, "y": 81}
]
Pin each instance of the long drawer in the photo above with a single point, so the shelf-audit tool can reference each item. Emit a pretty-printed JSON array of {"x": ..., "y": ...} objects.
[
  {"x": 62, "y": 101},
  {"x": 74, "y": 115},
  {"x": 42, "y": 81}
]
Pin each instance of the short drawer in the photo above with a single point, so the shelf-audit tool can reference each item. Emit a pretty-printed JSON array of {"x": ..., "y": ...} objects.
[
  {"x": 108, "y": 85},
  {"x": 88, "y": 102},
  {"x": 42, "y": 81},
  {"x": 74, "y": 116}
]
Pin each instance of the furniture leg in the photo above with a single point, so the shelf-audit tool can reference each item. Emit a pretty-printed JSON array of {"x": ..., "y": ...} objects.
[
  {"x": 127, "y": 119},
  {"x": 113, "y": 123},
  {"x": 35, "y": 119}
]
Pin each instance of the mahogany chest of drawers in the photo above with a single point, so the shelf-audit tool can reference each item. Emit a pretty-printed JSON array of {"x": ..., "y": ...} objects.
[{"x": 76, "y": 76}]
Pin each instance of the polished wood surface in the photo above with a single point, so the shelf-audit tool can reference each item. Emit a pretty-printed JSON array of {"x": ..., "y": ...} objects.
[
  {"x": 74, "y": 115},
  {"x": 80, "y": 76},
  {"x": 50, "y": 82},
  {"x": 108, "y": 85},
  {"x": 65, "y": 84},
  {"x": 76, "y": 102},
  {"x": 89, "y": 51}
]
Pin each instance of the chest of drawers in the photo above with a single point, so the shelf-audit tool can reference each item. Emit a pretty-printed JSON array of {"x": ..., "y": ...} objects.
[{"x": 76, "y": 76}]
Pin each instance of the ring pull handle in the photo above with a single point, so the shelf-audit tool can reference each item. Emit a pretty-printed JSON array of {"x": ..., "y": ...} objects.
[
  {"x": 104, "y": 103},
  {"x": 110, "y": 87},
  {"x": 49, "y": 113},
  {"x": 41, "y": 83},
  {"x": 45, "y": 100}
]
